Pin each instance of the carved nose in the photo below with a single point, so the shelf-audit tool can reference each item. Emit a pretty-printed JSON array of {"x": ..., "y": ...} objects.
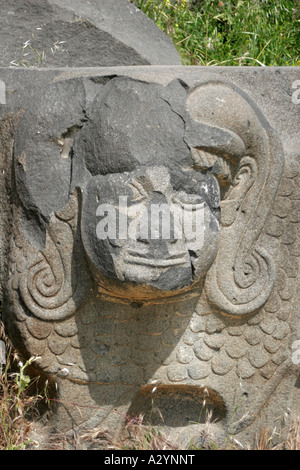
[{"x": 160, "y": 225}]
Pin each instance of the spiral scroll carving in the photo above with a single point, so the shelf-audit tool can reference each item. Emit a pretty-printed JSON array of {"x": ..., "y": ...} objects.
[
  {"x": 49, "y": 286},
  {"x": 243, "y": 274}
]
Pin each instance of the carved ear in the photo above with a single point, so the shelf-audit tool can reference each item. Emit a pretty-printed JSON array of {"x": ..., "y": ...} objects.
[{"x": 242, "y": 276}]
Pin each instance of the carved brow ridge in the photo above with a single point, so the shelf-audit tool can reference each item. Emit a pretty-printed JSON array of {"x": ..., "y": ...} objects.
[{"x": 214, "y": 139}]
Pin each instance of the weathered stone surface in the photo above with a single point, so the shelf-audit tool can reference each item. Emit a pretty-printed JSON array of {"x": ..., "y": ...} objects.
[
  {"x": 210, "y": 320},
  {"x": 65, "y": 33}
]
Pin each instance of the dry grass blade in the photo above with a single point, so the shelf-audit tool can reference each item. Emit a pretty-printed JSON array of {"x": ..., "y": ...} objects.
[
  {"x": 98, "y": 438},
  {"x": 140, "y": 436},
  {"x": 14, "y": 404},
  {"x": 264, "y": 441},
  {"x": 293, "y": 440}
]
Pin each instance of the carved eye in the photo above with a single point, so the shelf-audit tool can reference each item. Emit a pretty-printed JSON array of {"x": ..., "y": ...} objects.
[{"x": 217, "y": 164}]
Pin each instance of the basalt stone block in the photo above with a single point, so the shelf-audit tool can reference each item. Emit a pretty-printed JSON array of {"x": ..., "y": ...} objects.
[
  {"x": 150, "y": 243},
  {"x": 57, "y": 33}
]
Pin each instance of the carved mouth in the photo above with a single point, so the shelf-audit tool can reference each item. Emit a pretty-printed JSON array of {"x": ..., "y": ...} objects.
[{"x": 141, "y": 259}]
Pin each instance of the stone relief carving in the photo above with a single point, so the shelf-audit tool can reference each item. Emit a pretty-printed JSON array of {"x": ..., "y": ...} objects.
[{"x": 200, "y": 316}]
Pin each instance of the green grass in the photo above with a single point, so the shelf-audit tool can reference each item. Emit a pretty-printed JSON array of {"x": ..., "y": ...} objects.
[{"x": 241, "y": 32}]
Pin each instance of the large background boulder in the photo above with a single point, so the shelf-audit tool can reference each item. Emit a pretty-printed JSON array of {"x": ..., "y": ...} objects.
[{"x": 74, "y": 33}]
